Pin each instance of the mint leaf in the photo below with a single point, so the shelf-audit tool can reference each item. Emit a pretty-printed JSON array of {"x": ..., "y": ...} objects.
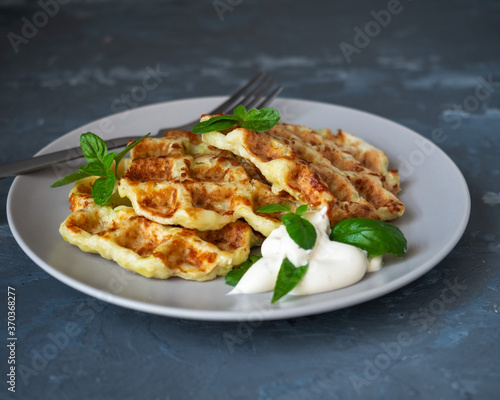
[
  {"x": 240, "y": 113},
  {"x": 260, "y": 120},
  {"x": 93, "y": 147},
  {"x": 218, "y": 123},
  {"x": 300, "y": 230},
  {"x": 94, "y": 169},
  {"x": 272, "y": 208},
  {"x": 103, "y": 188},
  {"x": 99, "y": 164},
  {"x": 108, "y": 160},
  {"x": 301, "y": 210},
  {"x": 288, "y": 278},
  {"x": 234, "y": 276},
  {"x": 122, "y": 153},
  {"x": 70, "y": 179},
  {"x": 252, "y": 114},
  {"x": 257, "y": 120},
  {"x": 98, "y": 168},
  {"x": 373, "y": 236}
]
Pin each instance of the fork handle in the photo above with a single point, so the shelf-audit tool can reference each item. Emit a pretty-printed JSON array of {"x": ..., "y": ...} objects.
[{"x": 35, "y": 163}]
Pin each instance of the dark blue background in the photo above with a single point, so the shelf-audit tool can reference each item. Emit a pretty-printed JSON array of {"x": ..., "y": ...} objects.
[{"x": 422, "y": 70}]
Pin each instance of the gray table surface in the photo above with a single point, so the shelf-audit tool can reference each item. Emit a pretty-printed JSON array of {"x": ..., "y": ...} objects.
[{"x": 424, "y": 64}]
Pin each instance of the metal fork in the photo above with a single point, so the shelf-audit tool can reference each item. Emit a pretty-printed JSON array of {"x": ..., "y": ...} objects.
[{"x": 258, "y": 92}]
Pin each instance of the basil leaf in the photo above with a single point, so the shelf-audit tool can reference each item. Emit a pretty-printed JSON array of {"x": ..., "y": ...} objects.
[
  {"x": 218, "y": 123},
  {"x": 234, "y": 276},
  {"x": 373, "y": 236},
  {"x": 99, "y": 164},
  {"x": 70, "y": 179},
  {"x": 288, "y": 278},
  {"x": 108, "y": 160},
  {"x": 93, "y": 147},
  {"x": 262, "y": 114},
  {"x": 301, "y": 210},
  {"x": 257, "y": 120},
  {"x": 103, "y": 188},
  {"x": 300, "y": 230},
  {"x": 94, "y": 169},
  {"x": 261, "y": 120},
  {"x": 240, "y": 112},
  {"x": 272, "y": 208},
  {"x": 122, "y": 153}
]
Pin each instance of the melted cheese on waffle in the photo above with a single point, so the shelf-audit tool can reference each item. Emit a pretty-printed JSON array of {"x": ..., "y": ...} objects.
[
  {"x": 179, "y": 205},
  {"x": 178, "y": 180},
  {"x": 154, "y": 250},
  {"x": 313, "y": 170}
]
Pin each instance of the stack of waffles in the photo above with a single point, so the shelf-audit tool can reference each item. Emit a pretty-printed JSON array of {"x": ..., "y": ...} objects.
[{"x": 187, "y": 205}]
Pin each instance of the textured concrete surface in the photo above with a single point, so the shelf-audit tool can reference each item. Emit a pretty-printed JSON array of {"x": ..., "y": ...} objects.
[{"x": 422, "y": 69}]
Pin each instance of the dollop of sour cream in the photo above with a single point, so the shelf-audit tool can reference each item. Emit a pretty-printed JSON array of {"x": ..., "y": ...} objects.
[{"x": 332, "y": 265}]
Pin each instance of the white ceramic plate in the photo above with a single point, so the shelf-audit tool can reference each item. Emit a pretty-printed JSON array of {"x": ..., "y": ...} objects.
[{"x": 434, "y": 191}]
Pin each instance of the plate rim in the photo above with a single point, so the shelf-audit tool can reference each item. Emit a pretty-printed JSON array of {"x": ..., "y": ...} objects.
[{"x": 234, "y": 315}]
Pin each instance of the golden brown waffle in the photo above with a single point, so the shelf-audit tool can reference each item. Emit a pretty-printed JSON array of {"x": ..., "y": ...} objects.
[
  {"x": 178, "y": 180},
  {"x": 317, "y": 171},
  {"x": 180, "y": 200},
  {"x": 80, "y": 195},
  {"x": 149, "y": 248},
  {"x": 368, "y": 155}
]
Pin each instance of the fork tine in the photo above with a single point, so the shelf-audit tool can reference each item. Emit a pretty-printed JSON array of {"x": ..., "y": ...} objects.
[
  {"x": 267, "y": 100},
  {"x": 249, "y": 100},
  {"x": 256, "y": 93},
  {"x": 263, "y": 96},
  {"x": 253, "y": 97},
  {"x": 263, "y": 81},
  {"x": 235, "y": 99}
]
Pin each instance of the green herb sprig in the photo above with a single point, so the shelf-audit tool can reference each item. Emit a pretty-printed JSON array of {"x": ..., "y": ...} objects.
[
  {"x": 304, "y": 234},
  {"x": 298, "y": 228},
  {"x": 234, "y": 276},
  {"x": 375, "y": 237},
  {"x": 99, "y": 163},
  {"x": 257, "y": 120},
  {"x": 288, "y": 277}
]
